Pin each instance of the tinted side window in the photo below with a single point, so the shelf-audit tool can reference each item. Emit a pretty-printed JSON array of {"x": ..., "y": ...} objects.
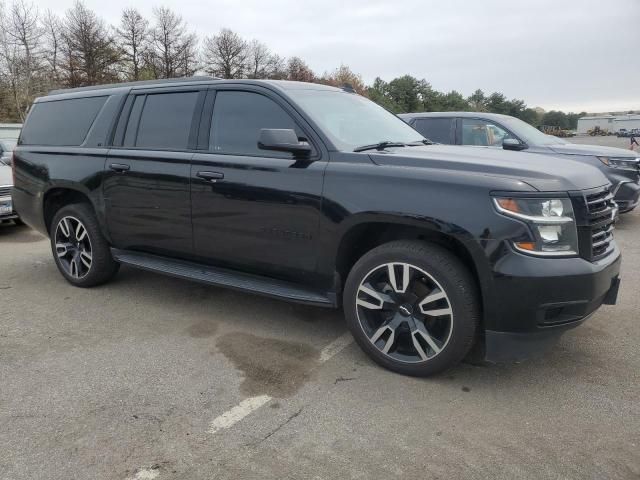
[
  {"x": 61, "y": 122},
  {"x": 483, "y": 133},
  {"x": 238, "y": 118},
  {"x": 435, "y": 129},
  {"x": 166, "y": 120}
]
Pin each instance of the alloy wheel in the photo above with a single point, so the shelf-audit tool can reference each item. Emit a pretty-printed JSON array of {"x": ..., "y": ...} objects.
[
  {"x": 404, "y": 312},
  {"x": 73, "y": 247}
]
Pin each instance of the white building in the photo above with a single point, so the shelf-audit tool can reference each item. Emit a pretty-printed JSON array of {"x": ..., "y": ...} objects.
[
  {"x": 628, "y": 122},
  {"x": 10, "y": 130},
  {"x": 612, "y": 123}
]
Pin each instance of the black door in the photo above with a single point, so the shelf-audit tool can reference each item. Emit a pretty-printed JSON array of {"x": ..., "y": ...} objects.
[
  {"x": 254, "y": 209},
  {"x": 146, "y": 187}
]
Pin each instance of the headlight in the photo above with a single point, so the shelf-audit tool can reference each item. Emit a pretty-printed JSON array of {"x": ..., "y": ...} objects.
[
  {"x": 621, "y": 163},
  {"x": 552, "y": 222}
]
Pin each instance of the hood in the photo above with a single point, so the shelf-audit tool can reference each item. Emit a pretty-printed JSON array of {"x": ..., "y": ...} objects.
[
  {"x": 543, "y": 172},
  {"x": 576, "y": 149},
  {"x": 6, "y": 176}
]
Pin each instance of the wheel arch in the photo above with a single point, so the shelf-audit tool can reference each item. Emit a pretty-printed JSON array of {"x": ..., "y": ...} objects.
[
  {"x": 362, "y": 236},
  {"x": 58, "y": 197}
]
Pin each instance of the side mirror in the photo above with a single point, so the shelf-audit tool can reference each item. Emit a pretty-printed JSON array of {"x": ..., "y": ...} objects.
[
  {"x": 283, "y": 140},
  {"x": 513, "y": 144}
]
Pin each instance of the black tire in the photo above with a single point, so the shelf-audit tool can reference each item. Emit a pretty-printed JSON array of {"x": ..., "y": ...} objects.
[
  {"x": 444, "y": 274},
  {"x": 102, "y": 267}
]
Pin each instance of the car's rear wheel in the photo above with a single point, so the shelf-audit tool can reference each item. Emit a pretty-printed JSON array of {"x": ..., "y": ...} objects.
[
  {"x": 412, "y": 306},
  {"x": 81, "y": 252}
]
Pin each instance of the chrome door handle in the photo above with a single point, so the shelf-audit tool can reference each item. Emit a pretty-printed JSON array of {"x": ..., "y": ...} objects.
[
  {"x": 211, "y": 176},
  {"x": 119, "y": 167}
]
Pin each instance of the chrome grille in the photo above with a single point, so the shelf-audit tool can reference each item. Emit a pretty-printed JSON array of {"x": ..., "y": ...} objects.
[
  {"x": 602, "y": 213},
  {"x": 5, "y": 191}
]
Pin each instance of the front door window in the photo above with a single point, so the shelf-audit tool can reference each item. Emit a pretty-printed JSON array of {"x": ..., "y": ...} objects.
[{"x": 483, "y": 133}]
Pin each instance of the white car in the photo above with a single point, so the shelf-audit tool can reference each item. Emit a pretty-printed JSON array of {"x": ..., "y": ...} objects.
[{"x": 6, "y": 185}]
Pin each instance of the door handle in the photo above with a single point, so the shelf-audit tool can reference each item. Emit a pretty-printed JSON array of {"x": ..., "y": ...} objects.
[
  {"x": 210, "y": 176},
  {"x": 119, "y": 167}
]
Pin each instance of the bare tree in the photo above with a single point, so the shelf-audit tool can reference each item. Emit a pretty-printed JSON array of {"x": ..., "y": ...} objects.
[
  {"x": 277, "y": 68},
  {"x": 189, "y": 63},
  {"x": 173, "y": 48},
  {"x": 133, "y": 37},
  {"x": 225, "y": 55},
  {"x": 90, "y": 52},
  {"x": 52, "y": 31},
  {"x": 258, "y": 60},
  {"x": 21, "y": 53},
  {"x": 299, "y": 71}
]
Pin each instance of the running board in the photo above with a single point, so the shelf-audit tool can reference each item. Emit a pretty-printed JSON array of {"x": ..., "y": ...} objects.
[{"x": 223, "y": 277}]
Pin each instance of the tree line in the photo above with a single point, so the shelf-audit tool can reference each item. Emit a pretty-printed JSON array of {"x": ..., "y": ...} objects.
[{"x": 40, "y": 51}]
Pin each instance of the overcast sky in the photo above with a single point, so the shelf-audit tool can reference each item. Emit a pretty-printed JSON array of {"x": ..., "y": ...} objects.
[{"x": 572, "y": 55}]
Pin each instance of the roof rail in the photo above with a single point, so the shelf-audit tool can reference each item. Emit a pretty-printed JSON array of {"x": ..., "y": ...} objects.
[{"x": 199, "y": 78}]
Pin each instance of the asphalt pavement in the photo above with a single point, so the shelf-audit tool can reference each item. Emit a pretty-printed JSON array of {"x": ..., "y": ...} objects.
[{"x": 154, "y": 377}]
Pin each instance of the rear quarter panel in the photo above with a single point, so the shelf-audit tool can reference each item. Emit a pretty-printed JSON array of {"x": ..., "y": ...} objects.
[{"x": 38, "y": 170}]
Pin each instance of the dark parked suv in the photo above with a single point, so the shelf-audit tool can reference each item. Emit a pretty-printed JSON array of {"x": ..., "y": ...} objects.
[
  {"x": 314, "y": 194},
  {"x": 622, "y": 167}
]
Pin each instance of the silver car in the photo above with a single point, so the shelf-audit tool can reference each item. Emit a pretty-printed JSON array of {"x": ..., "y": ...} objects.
[{"x": 6, "y": 183}]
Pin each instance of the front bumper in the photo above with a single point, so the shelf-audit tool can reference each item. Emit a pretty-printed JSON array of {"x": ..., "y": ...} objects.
[{"x": 542, "y": 298}]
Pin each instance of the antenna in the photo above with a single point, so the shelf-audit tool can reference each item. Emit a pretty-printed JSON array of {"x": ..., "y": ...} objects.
[{"x": 347, "y": 87}]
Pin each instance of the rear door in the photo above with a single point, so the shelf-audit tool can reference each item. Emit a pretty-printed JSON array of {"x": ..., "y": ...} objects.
[
  {"x": 436, "y": 129},
  {"x": 254, "y": 209},
  {"x": 147, "y": 172}
]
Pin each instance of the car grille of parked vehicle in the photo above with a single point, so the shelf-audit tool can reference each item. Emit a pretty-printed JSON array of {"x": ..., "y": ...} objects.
[
  {"x": 602, "y": 215},
  {"x": 5, "y": 191}
]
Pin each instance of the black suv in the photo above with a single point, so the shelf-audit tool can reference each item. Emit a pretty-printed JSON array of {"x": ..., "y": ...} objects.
[
  {"x": 314, "y": 194},
  {"x": 621, "y": 167}
]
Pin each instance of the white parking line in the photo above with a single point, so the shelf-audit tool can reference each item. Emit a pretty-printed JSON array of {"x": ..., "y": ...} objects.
[
  {"x": 335, "y": 347},
  {"x": 146, "y": 474},
  {"x": 237, "y": 413},
  {"x": 251, "y": 404}
]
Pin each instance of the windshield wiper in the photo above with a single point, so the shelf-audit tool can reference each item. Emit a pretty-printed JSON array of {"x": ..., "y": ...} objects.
[
  {"x": 424, "y": 141},
  {"x": 379, "y": 146}
]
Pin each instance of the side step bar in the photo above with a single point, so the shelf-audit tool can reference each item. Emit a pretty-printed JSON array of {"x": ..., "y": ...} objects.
[{"x": 224, "y": 278}]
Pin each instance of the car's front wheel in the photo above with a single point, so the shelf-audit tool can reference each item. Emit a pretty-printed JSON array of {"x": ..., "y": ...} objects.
[
  {"x": 81, "y": 252},
  {"x": 412, "y": 306}
]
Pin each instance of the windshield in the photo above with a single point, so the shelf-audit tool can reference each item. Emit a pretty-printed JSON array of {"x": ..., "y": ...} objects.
[
  {"x": 529, "y": 134},
  {"x": 352, "y": 121}
]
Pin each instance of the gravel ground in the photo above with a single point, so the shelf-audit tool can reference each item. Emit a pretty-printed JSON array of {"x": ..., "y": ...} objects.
[
  {"x": 609, "y": 141},
  {"x": 123, "y": 382}
]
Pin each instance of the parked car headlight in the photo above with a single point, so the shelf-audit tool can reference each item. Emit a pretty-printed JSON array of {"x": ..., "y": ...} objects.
[
  {"x": 621, "y": 163},
  {"x": 552, "y": 223}
]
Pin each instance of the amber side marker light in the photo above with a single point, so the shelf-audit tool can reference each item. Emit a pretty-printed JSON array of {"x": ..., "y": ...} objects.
[
  {"x": 509, "y": 204},
  {"x": 530, "y": 246}
]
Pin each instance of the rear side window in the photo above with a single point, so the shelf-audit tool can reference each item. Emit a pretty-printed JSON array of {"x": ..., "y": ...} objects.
[
  {"x": 436, "y": 129},
  {"x": 166, "y": 119},
  {"x": 238, "y": 118},
  {"x": 61, "y": 122}
]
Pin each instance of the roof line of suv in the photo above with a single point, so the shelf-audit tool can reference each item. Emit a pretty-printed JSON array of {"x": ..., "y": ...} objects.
[
  {"x": 125, "y": 87},
  {"x": 139, "y": 83},
  {"x": 452, "y": 114}
]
